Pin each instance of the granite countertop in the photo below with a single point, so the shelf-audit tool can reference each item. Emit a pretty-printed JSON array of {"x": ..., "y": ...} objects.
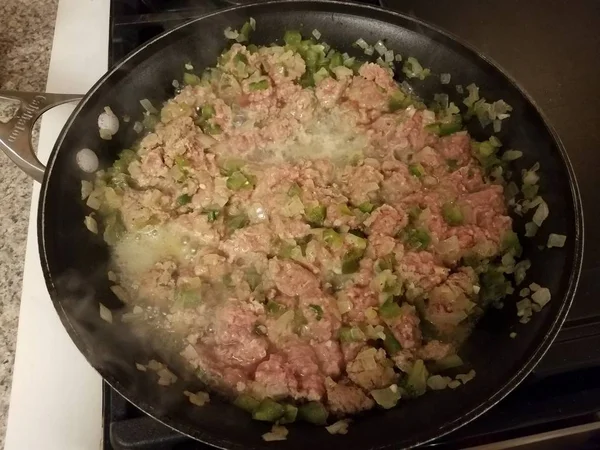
[{"x": 26, "y": 31}]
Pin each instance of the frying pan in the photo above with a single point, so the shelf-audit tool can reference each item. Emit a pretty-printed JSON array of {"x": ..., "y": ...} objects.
[{"x": 75, "y": 261}]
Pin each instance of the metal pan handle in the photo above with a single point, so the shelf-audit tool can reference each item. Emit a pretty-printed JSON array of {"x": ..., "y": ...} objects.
[{"x": 16, "y": 126}]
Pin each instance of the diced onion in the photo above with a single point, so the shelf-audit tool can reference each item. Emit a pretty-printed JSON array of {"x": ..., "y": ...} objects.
[
  {"x": 252, "y": 23},
  {"x": 166, "y": 377},
  {"x": 511, "y": 190},
  {"x": 380, "y": 47},
  {"x": 339, "y": 427},
  {"x": 541, "y": 213},
  {"x": 86, "y": 189},
  {"x": 369, "y": 51},
  {"x": 138, "y": 127},
  {"x": 120, "y": 293},
  {"x": 511, "y": 155},
  {"x": 386, "y": 398},
  {"x": 556, "y": 240},
  {"x": 534, "y": 287},
  {"x": 148, "y": 106},
  {"x": 521, "y": 269},
  {"x": 362, "y": 43},
  {"x": 140, "y": 367},
  {"x": 445, "y": 78},
  {"x": 105, "y": 313},
  {"x": 513, "y": 335},
  {"x": 454, "y": 384},
  {"x": 438, "y": 382},
  {"x": 316, "y": 33},
  {"x": 542, "y": 296},
  {"x": 459, "y": 89},
  {"x": 524, "y": 292},
  {"x": 398, "y": 57},
  {"x": 199, "y": 398},
  {"x": 277, "y": 433},
  {"x": 466, "y": 377},
  {"x": 388, "y": 56},
  {"x": 497, "y": 125},
  {"x": 344, "y": 305},
  {"x": 91, "y": 224},
  {"x": 230, "y": 33}
]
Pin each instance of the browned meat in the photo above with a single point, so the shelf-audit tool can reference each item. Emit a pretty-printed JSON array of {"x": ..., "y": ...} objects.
[{"x": 345, "y": 398}]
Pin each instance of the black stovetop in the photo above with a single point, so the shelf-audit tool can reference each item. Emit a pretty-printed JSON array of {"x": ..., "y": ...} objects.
[{"x": 551, "y": 48}]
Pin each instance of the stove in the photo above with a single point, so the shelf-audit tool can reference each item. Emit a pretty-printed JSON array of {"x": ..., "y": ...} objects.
[
  {"x": 562, "y": 397},
  {"x": 550, "y": 46}
]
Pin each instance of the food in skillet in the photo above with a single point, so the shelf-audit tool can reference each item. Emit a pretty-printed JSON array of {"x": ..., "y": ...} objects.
[{"x": 314, "y": 239}]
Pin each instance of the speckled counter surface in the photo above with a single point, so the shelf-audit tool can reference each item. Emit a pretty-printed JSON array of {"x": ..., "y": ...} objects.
[{"x": 26, "y": 30}]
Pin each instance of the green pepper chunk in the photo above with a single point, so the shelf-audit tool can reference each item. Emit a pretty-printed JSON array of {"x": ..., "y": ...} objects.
[
  {"x": 240, "y": 57},
  {"x": 336, "y": 60},
  {"x": 114, "y": 229},
  {"x": 386, "y": 263},
  {"x": 316, "y": 214},
  {"x": 318, "y": 311},
  {"x": 292, "y": 38},
  {"x": 268, "y": 411},
  {"x": 247, "y": 403},
  {"x": 313, "y": 412},
  {"x": 150, "y": 121},
  {"x": 511, "y": 244},
  {"x": 391, "y": 344},
  {"x": 351, "y": 260},
  {"x": 289, "y": 415},
  {"x": 237, "y": 221},
  {"x": 416, "y": 170},
  {"x": 211, "y": 216},
  {"x": 231, "y": 165},
  {"x": 246, "y": 30},
  {"x": 452, "y": 164},
  {"x": 237, "y": 180},
  {"x": 389, "y": 310},
  {"x": 452, "y": 214},
  {"x": 253, "y": 278},
  {"x": 397, "y": 101},
  {"x": 252, "y": 48},
  {"x": 187, "y": 298},
  {"x": 294, "y": 190},
  {"x": 333, "y": 238},
  {"x": 126, "y": 157},
  {"x": 446, "y": 128},
  {"x": 184, "y": 199},
  {"x": 307, "y": 80},
  {"x": 351, "y": 334},
  {"x": 207, "y": 111},
  {"x": 258, "y": 85},
  {"x": 275, "y": 308},
  {"x": 212, "y": 129},
  {"x": 191, "y": 79},
  {"x": 366, "y": 207},
  {"x": 417, "y": 238}
]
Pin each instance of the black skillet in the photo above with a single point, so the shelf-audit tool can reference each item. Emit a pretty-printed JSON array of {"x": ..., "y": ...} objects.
[{"x": 74, "y": 261}]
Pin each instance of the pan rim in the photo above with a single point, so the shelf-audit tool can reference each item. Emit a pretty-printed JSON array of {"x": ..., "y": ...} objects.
[{"x": 429, "y": 435}]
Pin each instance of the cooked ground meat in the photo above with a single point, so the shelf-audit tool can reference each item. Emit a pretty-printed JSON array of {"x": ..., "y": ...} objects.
[{"x": 298, "y": 236}]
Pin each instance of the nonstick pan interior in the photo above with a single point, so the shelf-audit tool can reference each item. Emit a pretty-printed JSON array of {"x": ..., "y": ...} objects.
[{"x": 75, "y": 261}]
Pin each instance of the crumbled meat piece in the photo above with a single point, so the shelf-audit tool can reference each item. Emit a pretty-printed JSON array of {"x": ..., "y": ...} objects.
[
  {"x": 293, "y": 279},
  {"x": 405, "y": 327},
  {"x": 371, "y": 369},
  {"x": 344, "y": 398}
]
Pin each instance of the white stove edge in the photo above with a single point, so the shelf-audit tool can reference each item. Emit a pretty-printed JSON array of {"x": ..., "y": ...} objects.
[{"x": 56, "y": 396}]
